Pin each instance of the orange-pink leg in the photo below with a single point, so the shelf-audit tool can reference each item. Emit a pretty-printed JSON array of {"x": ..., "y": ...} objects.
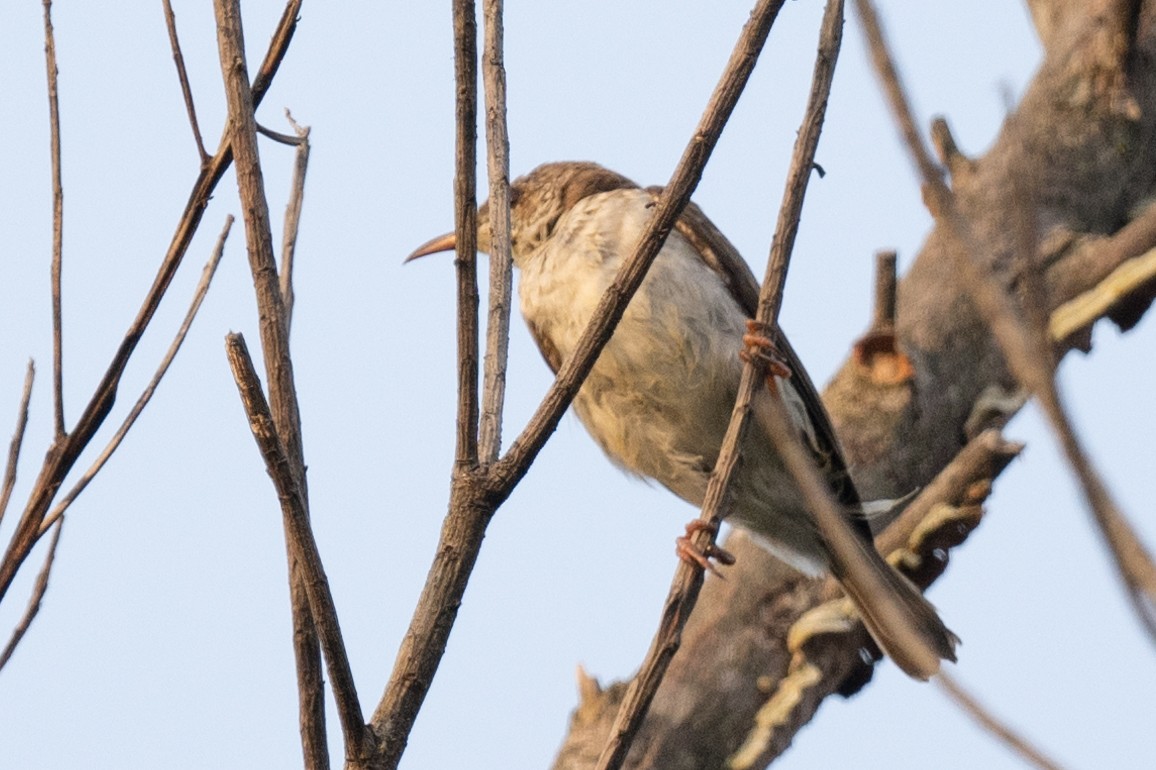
[
  {"x": 701, "y": 557},
  {"x": 757, "y": 344}
]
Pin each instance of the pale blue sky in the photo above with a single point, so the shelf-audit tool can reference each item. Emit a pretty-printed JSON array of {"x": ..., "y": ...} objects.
[{"x": 163, "y": 641}]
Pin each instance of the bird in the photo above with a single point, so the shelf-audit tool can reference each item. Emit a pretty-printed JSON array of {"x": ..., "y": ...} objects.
[{"x": 659, "y": 398}]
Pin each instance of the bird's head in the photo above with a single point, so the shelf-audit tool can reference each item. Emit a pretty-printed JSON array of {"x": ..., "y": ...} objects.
[{"x": 537, "y": 201}]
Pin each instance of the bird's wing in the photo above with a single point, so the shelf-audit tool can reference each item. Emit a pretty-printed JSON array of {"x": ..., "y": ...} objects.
[
  {"x": 722, "y": 257},
  {"x": 548, "y": 349}
]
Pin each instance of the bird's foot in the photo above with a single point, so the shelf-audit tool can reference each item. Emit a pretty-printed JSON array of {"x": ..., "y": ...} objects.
[
  {"x": 758, "y": 345},
  {"x": 701, "y": 557}
]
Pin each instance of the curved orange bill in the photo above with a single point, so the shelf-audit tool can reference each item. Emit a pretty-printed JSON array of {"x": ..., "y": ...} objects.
[{"x": 445, "y": 242}]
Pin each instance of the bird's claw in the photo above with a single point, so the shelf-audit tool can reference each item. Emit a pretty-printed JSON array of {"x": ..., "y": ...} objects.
[
  {"x": 701, "y": 557},
  {"x": 758, "y": 345}
]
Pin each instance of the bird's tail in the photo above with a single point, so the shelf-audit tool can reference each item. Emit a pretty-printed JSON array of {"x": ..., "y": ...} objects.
[{"x": 901, "y": 620}]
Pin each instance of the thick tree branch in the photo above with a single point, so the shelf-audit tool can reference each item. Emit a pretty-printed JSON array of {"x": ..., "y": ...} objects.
[{"x": 1026, "y": 350}]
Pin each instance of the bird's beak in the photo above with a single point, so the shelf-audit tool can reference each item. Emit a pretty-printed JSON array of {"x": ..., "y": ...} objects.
[{"x": 445, "y": 242}]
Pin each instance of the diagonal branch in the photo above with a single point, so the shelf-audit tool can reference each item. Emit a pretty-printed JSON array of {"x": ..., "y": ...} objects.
[
  {"x": 17, "y": 440},
  {"x": 183, "y": 77},
  {"x": 146, "y": 395},
  {"x": 973, "y": 708},
  {"x": 285, "y": 479},
  {"x": 688, "y": 580},
  {"x": 38, "y": 591}
]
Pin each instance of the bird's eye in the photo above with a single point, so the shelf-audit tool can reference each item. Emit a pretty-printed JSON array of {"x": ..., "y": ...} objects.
[{"x": 515, "y": 194}]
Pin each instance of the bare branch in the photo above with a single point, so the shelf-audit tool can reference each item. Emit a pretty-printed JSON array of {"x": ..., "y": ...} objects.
[
  {"x": 471, "y": 506},
  {"x": 183, "y": 77},
  {"x": 38, "y": 590},
  {"x": 17, "y": 440},
  {"x": 885, "y": 290},
  {"x": 688, "y": 580},
  {"x": 466, "y": 228},
  {"x": 293, "y": 217},
  {"x": 285, "y": 479},
  {"x": 57, "y": 224},
  {"x": 993, "y": 725},
  {"x": 978, "y": 462},
  {"x": 501, "y": 264},
  {"x": 146, "y": 395}
]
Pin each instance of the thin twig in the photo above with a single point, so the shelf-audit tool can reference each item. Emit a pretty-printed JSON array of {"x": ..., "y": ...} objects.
[
  {"x": 183, "y": 77},
  {"x": 465, "y": 523},
  {"x": 1026, "y": 350},
  {"x": 285, "y": 479},
  {"x": 38, "y": 590},
  {"x": 994, "y": 725},
  {"x": 883, "y": 312},
  {"x": 57, "y": 224},
  {"x": 466, "y": 228},
  {"x": 293, "y": 217},
  {"x": 501, "y": 263},
  {"x": 64, "y": 451},
  {"x": 277, "y": 136},
  {"x": 688, "y": 580},
  {"x": 17, "y": 439},
  {"x": 306, "y": 573},
  {"x": 147, "y": 394}
]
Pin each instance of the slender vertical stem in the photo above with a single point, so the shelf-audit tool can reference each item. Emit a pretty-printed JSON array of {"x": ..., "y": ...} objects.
[
  {"x": 293, "y": 217},
  {"x": 57, "y": 223},
  {"x": 183, "y": 77},
  {"x": 466, "y": 225},
  {"x": 501, "y": 264}
]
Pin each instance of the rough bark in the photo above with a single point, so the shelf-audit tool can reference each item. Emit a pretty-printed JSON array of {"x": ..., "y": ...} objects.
[{"x": 1072, "y": 165}]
